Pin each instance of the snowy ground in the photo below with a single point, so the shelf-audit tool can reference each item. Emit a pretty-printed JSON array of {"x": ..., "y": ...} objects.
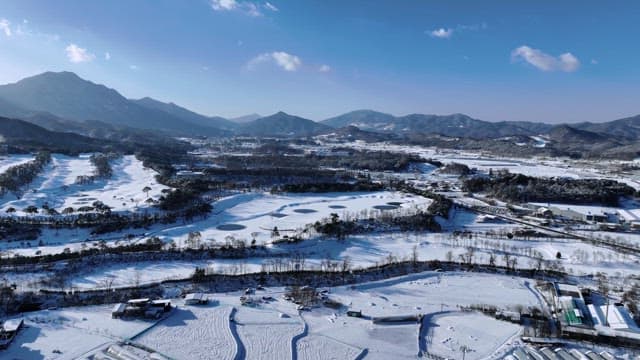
[
  {"x": 259, "y": 213},
  {"x": 13, "y": 160},
  {"x": 57, "y": 186},
  {"x": 481, "y": 335},
  {"x": 369, "y": 250},
  {"x": 275, "y": 330},
  {"x": 203, "y": 332},
  {"x": 69, "y": 333}
]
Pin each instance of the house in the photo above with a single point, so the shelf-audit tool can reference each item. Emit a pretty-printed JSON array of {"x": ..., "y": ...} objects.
[
  {"x": 139, "y": 302},
  {"x": 163, "y": 304},
  {"x": 195, "y": 299},
  {"x": 8, "y": 331},
  {"x": 118, "y": 310}
]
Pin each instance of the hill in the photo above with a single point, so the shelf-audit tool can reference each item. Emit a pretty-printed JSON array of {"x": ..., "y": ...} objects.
[
  {"x": 283, "y": 125},
  {"x": 186, "y": 114},
  {"x": 66, "y": 95}
]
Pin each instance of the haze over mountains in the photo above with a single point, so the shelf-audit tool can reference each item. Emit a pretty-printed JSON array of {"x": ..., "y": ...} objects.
[{"x": 65, "y": 102}]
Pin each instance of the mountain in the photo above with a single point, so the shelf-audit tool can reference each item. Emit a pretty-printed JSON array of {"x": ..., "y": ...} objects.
[
  {"x": 626, "y": 128},
  {"x": 22, "y": 135},
  {"x": 455, "y": 125},
  {"x": 186, "y": 114},
  {"x": 12, "y": 110},
  {"x": 66, "y": 95},
  {"x": 353, "y": 133},
  {"x": 283, "y": 125},
  {"x": 566, "y": 134},
  {"x": 363, "y": 119},
  {"x": 245, "y": 118}
]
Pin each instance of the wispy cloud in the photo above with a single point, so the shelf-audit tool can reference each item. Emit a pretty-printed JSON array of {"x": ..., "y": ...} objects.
[
  {"x": 286, "y": 61},
  {"x": 133, "y": 67},
  {"x": 447, "y": 33},
  {"x": 441, "y": 33},
  {"x": 566, "y": 62},
  {"x": 107, "y": 56},
  {"x": 5, "y": 26},
  {"x": 246, "y": 7},
  {"x": 76, "y": 54},
  {"x": 270, "y": 6},
  {"x": 324, "y": 68}
]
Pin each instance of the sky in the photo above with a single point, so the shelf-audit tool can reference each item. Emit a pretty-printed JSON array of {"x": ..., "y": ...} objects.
[{"x": 546, "y": 61}]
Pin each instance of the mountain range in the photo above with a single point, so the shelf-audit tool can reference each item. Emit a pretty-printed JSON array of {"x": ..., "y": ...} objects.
[{"x": 62, "y": 101}]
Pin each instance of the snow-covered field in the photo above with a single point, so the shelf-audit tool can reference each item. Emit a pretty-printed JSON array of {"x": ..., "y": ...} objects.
[
  {"x": 13, "y": 160},
  {"x": 57, "y": 186},
  {"x": 265, "y": 334},
  {"x": 194, "y": 332},
  {"x": 368, "y": 250},
  {"x": 275, "y": 330},
  {"x": 318, "y": 347},
  {"x": 69, "y": 333},
  {"x": 481, "y": 335},
  {"x": 259, "y": 213}
]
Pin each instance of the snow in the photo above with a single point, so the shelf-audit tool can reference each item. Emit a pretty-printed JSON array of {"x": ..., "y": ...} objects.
[
  {"x": 253, "y": 211},
  {"x": 193, "y": 332},
  {"x": 201, "y": 332},
  {"x": 318, "y": 347},
  {"x": 73, "y": 332},
  {"x": 13, "y": 160},
  {"x": 482, "y": 335},
  {"x": 265, "y": 334},
  {"x": 57, "y": 187}
]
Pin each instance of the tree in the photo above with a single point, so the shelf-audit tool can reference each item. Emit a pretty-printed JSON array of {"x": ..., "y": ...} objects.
[
  {"x": 107, "y": 282},
  {"x": 414, "y": 255},
  {"x": 603, "y": 288},
  {"x": 193, "y": 239},
  {"x": 449, "y": 256},
  {"x": 31, "y": 209},
  {"x": 558, "y": 255},
  {"x": 146, "y": 190}
]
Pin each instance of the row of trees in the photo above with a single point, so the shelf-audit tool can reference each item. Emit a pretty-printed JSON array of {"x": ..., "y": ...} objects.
[
  {"x": 18, "y": 176},
  {"x": 521, "y": 188}
]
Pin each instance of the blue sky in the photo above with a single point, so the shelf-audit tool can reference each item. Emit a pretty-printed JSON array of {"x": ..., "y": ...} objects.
[{"x": 551, "y": 61}]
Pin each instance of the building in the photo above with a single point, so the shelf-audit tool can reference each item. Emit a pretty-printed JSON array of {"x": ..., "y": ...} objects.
[
  {"x": 141, "y": 308},
  {"x": 8, "y": 331},
  {"x": 118, "y": 310},
  {"x": 195, "y": 299}
]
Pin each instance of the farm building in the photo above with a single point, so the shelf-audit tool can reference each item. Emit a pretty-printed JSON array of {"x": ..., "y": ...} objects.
[
  {"x": 8, "y": 331},
  {"x": 118, "y": 310},
  {"x": 141, "y": 308},
  {"x": 163, "y": 304},
  {"x": 195, "y": 299}
]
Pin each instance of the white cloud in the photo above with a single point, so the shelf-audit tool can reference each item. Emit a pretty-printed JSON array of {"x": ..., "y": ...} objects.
[
  {"x": 76, "y": 54},
  {"x": 441, "y": 33},
  {"x": 107, "y": 56},
  {"x": 284, "y": 60},
  {"x": 324, "y": 68},
  {"x": 5, "y": 26},
  {"x": 565, "y": 62},
  {"x": 270, "y": 6},
  {"x": 246, "y": 7},
  {"x": 133, "y": 67},
  {"x": 222, "y": 5}
]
